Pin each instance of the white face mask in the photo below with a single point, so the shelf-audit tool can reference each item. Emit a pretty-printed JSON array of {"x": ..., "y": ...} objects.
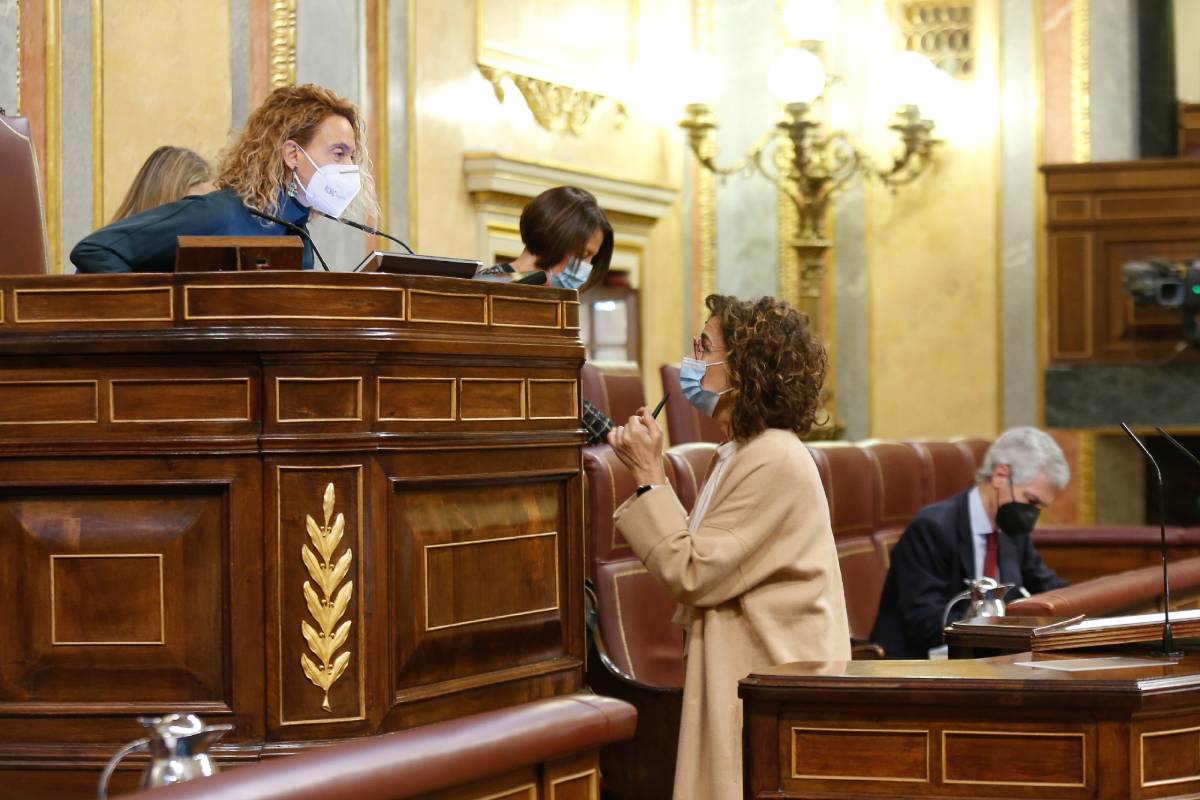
[{"x": 332, "y": 188}]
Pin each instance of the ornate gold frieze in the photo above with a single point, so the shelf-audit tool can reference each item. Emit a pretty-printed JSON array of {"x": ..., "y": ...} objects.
[
  {"x": 942, "y": 32},
  {"x": 283, "y": 43},
  {"x": 555, "y": 107},
  {"x": 330, "y": 605},
  {"x": 1081, "y": 105}
]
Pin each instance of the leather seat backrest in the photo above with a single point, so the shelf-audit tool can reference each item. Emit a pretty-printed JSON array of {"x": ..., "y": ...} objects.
[
  {"x": 863, "y": 573},
  {"x": 949, "y": 469},
  {"x": 615, "y": 389},
  {"x": 608, "y": 484},
  {"x": 685, "y": 423},
  {"x": 692, "y": 463},
  {"x": 850, "y": 489},
  {"x": 976, "y": 447},
  {"x": 22, "y": 223},
  {"x": 1111, "y": 594},
  {"x": 901, "y": 488},
  {"x": 634, "y": 617}
]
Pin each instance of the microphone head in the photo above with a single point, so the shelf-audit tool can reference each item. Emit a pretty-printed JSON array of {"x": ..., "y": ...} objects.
[{"x": 535, "y": 278}]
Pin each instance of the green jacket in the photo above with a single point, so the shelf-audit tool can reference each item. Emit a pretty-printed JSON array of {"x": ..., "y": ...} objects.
[{"x": 146, "y": 242}]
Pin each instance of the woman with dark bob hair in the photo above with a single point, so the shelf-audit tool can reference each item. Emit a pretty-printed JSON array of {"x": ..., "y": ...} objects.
[
  {"x": 568, "y": 241},
  {"x": 754, "y": 567}
]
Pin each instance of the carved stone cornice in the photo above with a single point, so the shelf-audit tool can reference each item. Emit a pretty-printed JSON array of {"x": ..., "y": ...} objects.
[{"x": 496, "y": 179}]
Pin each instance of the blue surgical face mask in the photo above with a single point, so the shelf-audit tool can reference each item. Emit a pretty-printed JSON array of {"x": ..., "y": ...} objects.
[
  {"x": 691, "y": 372},
  {"x": 573, "y": 276}
]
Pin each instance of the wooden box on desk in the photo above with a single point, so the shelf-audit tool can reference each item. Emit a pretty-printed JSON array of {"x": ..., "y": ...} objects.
[
  {"x": 224, "y": 253},
  {"x": 206, "y": 477}
]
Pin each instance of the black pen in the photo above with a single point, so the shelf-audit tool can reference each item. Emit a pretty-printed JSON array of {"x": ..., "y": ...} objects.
[{"x": 660, "y": 405}]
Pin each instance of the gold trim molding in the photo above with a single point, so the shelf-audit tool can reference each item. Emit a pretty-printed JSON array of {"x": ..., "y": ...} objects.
[
  {"x": 282, "y": 58},
  {"x": 328, "y": 608},
  {"x": 556, "y": 107}
]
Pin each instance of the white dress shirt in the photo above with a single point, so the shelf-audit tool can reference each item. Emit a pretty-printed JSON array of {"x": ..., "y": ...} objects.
[{"x": 981, "y": 527}]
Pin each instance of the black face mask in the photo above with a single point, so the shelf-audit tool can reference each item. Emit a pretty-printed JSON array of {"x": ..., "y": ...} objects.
[{"x": 1016, "y": 519}]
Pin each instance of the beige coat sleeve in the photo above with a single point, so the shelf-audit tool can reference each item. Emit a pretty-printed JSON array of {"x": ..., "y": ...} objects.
[{"x": 706, "y": 568}]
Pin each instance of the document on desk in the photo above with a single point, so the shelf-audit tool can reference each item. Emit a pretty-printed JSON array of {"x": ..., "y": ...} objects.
[{"x": 1106, "y": 662}]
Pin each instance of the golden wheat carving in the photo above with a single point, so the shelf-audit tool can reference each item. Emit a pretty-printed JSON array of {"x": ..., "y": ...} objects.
[{"x": 330, "y": 604}]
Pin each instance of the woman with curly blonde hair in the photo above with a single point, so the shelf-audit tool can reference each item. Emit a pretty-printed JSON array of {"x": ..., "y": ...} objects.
[
  {"x": 754, "y": 567},
  {"x": 302, "y": 150}
]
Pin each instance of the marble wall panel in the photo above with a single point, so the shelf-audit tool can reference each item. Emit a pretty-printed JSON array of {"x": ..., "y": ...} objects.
[{"x": 8, "y": 55}]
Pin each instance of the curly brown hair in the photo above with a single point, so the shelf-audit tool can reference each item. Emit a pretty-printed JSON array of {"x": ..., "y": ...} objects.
[
  {"x": 776, "y": 365},
  {"x": 253, "y": 165}
]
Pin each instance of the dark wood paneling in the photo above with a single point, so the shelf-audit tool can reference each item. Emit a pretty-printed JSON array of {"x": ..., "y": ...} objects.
[
  {"x": 181, "y": 400},
  {"x": 1170, "y": 756},
  {"x": 453, "y": 308},
  {"x": 830, "y": 753},
  {"x": 1099, "y": 217},
  {"x": 318, "y": 399},
  {"x": 40, "y": 402},
  {"x": 1025, "y": 758},
  {"x": 522, "y": 313},
  {"x": 492, "y": 399},
  {"x": 503, "y": 609},
  {"x": 175, "y": 498},
  {"x": 417, "y": 399},
  {"x": 71, "y": 306}
]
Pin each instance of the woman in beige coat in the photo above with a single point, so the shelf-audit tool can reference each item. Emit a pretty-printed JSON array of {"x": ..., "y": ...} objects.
[{"x": 754, "y": 568}]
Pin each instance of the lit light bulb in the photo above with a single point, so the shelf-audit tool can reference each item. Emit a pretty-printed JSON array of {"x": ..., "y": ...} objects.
[
  {"x": 796, "y": 76},
  {"x": 910, "y": 76},
  {"x": 702, "y": 79}
]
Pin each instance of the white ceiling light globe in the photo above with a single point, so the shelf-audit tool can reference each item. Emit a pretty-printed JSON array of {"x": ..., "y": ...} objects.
[
  {"x": 796, "y": 76},
  {"x": 702, "y": 79}
]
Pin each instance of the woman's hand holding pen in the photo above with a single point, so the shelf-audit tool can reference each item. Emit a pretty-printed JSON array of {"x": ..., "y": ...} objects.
[{"x": 638, "y": 444}]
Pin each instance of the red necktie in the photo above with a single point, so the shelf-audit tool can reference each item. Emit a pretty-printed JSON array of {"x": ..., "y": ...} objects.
[{"x": 990, "y": 567}]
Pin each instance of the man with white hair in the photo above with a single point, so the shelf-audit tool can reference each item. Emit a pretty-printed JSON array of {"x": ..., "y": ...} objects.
[{"x": 983, "y": 531}]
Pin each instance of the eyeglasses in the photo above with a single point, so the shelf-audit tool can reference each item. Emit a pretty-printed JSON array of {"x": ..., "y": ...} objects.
[{"x": 700, "y": 349}]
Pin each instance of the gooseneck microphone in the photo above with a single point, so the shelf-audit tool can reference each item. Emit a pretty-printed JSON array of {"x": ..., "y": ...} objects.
[
  {"x": 367, "y": 229},
  {"x": 1188, "y": 453},
  {"x": 296, "y": 229},
  {"x": 1168, "y": 643}
]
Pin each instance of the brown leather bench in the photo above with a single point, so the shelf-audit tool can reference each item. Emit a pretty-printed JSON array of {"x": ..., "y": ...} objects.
[
  {"x": 495, "y": 753},
  {"x": 1136, "y": 590}
]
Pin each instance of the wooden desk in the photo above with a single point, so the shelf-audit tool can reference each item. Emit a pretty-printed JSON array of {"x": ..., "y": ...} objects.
[
  {"x": 972, "y": 729},
  {"x": 191, "y": 465}
]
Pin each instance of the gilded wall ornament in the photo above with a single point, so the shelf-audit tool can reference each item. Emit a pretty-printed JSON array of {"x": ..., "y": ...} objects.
[
  {"x": 555, "y": 107},
  {"x": 328, "y": 607}
]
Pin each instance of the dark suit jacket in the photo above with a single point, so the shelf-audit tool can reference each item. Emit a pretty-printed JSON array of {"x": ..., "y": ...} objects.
[
  {"x": 146, "y": 242},
  {"x": 929, "y": 565}
]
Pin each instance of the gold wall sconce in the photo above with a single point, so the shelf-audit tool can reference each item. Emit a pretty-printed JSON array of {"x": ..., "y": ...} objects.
[{"x": 807, "y": 162}]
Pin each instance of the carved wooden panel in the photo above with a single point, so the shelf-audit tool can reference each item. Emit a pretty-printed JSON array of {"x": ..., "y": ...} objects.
[
  {"x": 38, "y": 402},
  {"x": 92, "y": 306},
  {"x": 860, "y": 754},
  {"x": 519, "y": 312},
  {"x": 492, "y": 399},
  {"x": 486, "y": 563},
  {"x": 1169, "y": 757},
  {"x": 181, "y": 400},
  {"x": 114, "y": 594},
  {"x": 417, "y": 399},
  {"x": 318, "y": 399},
  {"x": 1015, "y": 758},
  {"x": 316, "y": 674},
  {"x": 332, "y": 304},
  {"x": 553, "y": 398},
  {"x": 451, "y": 308}
]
